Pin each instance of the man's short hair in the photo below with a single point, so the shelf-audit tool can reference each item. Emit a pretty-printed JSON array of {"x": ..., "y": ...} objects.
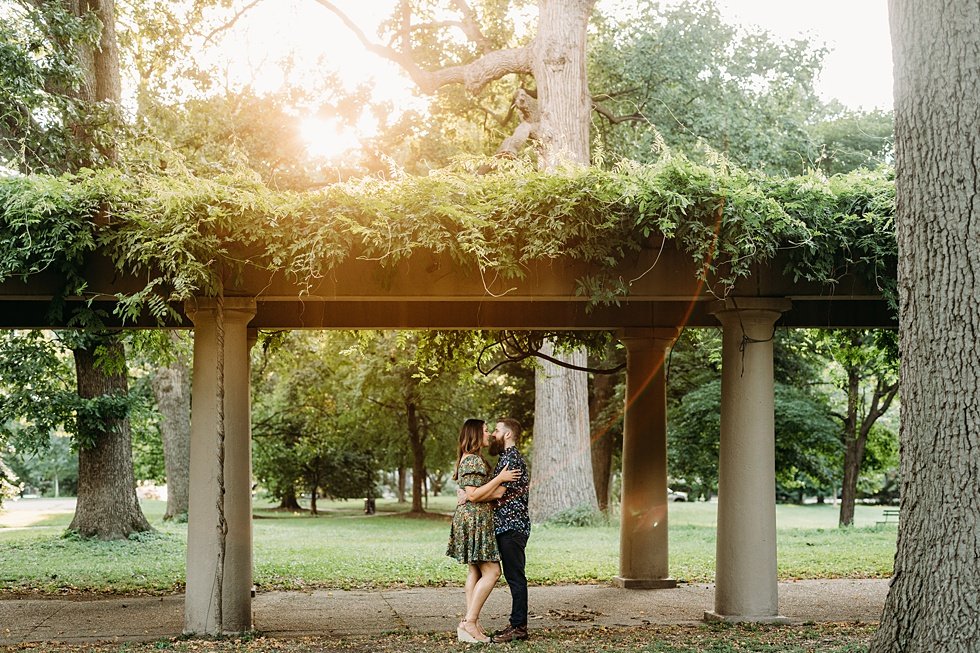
[{"x": 513, "y": 426}]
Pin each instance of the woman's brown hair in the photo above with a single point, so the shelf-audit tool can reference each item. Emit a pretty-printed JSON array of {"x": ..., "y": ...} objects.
[{"x": 470, "y": 442}]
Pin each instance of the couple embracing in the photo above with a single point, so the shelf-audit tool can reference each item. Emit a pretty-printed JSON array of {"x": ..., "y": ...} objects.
[{"x": 491, "y": 524}]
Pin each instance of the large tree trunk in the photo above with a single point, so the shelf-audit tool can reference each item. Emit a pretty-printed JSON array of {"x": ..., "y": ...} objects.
[
  {"x": 932, "y": 600},
  {"x": 418, "y": 454},
  {"x": 559, "y": 65},
  {"x": 562, "y": 466},
  {"x": 172, "y": 389},
  {"x": 101, "y": 80},
  {"x": 561, "y": 420},
  {"x": 107, "y": 507}
]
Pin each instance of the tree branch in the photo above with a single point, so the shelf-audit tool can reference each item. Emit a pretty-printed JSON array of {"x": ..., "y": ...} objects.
[
  {"x": 383, "y": 404},
  {"x": 471, "y": 27},
  {"x": 885, "y": 394},
  {"x": 500, "y": 119},
  {"x": 406, "y": 31},
  {"x": 477, "y": 74},
  {"x": 613, "y": 118},
  {"x": 434, "y": 25},
  {"x": 230, "y": 22},
  {"x": 512, "y": 145},
  {"x": 515, "y": 352},
  {"x": 525, "y": 104},
  {"x": 615, "y": 94},
  {"x": 474, "y": 75}
]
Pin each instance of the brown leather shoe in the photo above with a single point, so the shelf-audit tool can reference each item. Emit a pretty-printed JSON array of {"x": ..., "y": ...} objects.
[{"x": 510, "y": 634}]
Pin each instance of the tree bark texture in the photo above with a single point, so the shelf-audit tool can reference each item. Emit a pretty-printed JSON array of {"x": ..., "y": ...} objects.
[
  {"x": 559, "y": 66},
  {"x": 561, "y": 459},
  {"x": 107, "y": 507},
  {"x": 172, "y": 389},
  {"x": 932, "y": 604},
  {"x": 101, "y": 79}
]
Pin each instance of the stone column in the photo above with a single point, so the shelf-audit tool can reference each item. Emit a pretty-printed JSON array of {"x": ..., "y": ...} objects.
[
  {"x": 219, "y": 583},
  {"x": 745, "y": 571},
  {"x": 643, "y": 524}
]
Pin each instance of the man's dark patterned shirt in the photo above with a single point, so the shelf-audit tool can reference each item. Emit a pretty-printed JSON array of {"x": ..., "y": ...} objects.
[{"x": 511, "y": 511}]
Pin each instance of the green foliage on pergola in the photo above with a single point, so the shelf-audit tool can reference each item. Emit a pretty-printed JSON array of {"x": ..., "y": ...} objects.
[{"x": 178, "y": 231}]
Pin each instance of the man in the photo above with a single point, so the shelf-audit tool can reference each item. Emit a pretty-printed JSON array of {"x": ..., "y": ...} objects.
[{"x": 512, "y": 524}]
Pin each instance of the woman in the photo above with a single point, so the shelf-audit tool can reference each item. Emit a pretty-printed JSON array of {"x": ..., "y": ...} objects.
[{"x": 472, "y": 540}]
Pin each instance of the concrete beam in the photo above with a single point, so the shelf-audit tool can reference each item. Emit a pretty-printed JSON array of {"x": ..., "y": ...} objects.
[
  {"x": 429, "y": 290},
  {"x": 487, "y": 313}
]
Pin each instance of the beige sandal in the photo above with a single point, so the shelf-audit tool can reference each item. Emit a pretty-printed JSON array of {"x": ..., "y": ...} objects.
[{"x": 464, "y": 635}]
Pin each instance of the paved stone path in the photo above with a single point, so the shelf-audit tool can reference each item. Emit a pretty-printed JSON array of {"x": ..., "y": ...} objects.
[{"x": 324, "y": 612}]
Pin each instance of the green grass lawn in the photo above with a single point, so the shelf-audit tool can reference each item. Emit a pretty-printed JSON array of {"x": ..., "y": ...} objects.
[{"x": 343, "y": 548}]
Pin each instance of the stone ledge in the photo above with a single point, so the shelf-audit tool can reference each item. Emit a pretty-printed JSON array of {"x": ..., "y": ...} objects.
[{"x": 645, "y": 583}]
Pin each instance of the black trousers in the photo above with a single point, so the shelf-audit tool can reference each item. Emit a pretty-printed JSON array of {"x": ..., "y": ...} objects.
[{"x": 512, "y": 545}]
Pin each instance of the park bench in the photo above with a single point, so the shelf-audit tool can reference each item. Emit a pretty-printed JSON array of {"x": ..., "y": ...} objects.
[{"x": 889, "y": 516}]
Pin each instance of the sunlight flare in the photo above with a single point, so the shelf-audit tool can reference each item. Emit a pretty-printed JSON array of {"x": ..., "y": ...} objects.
[{"x": 325, "y": 139}]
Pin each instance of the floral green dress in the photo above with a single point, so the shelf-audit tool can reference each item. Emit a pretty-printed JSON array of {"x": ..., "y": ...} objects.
[{"x": 472, "y": 537}]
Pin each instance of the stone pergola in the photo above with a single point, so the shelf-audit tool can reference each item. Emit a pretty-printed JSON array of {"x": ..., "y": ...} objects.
[{"x": 428, "y": 291}]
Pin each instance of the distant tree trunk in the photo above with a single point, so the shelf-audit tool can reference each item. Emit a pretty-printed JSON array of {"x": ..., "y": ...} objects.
[
  {"x": 853, "y": 448},
  {"x": 313, "y": 493},
  {"x": 107, "y": 507},
  {"x": 603, "y": 391},
  {"x": 560, "y": 463},
  {"x": 288, "y": 500},
  {"x": 932, "y": 599},
  {"x": 418, "y": 454},
  {"x": 561, "y": 420},
  {"x": 402, "y": 482},
  {"x": 172, "y": 388},
  {"x": 436, "y": 482},
  {"x": 857, "y": 427}
]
